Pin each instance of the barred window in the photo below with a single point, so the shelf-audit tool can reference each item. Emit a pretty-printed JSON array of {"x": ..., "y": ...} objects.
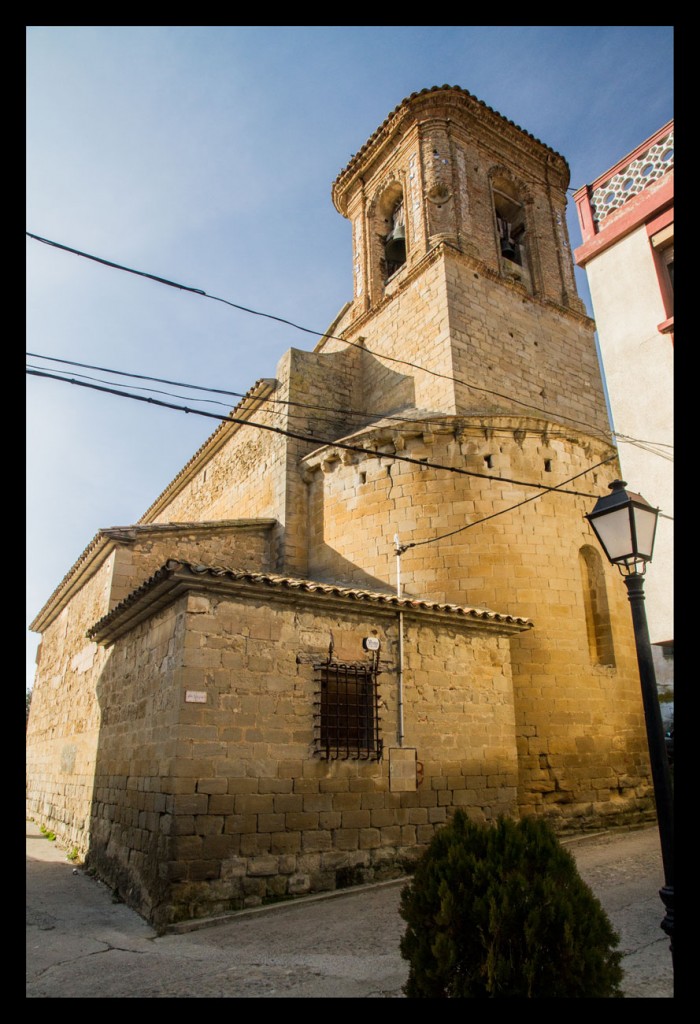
[{"x": 347, "y": 712}]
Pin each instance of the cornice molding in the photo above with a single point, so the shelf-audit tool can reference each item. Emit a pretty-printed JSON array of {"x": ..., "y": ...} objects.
[
  {"x": 409, "y": 110},
  {"x": 384, "y": 438},
  {"x": 433, "y": 255}
]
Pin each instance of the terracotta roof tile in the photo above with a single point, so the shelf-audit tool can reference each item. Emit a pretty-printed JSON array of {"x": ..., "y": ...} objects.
[
  {"x": 252, "y": 393},
  {"x": 176, "y": 572},
  {"x": 422, "y": 92}
]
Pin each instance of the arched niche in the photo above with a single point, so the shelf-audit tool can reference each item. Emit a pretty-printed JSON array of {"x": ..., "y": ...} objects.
[{"x": 595, "y": 599}]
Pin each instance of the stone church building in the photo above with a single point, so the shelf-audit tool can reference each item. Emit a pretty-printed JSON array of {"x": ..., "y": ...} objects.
[{"x": 372, "y": 595}]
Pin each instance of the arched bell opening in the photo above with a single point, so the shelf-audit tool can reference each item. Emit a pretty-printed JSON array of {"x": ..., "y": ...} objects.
[
  {"x": 510, "y": 222},
  {"x": 395, "y": 239}
]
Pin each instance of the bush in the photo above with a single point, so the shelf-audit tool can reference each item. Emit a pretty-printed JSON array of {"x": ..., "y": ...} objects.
[{"x": 501, "y": 910}]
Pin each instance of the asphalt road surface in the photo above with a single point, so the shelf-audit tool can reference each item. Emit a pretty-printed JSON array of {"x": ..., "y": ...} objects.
[{"x": 82, "y": 944}]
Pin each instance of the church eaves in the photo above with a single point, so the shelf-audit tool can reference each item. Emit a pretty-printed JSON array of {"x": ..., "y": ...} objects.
[{"x": 177, "y": 577}]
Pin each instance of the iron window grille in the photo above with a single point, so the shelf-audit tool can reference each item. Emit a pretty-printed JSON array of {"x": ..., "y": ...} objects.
[{"x": 347, "y": 712}]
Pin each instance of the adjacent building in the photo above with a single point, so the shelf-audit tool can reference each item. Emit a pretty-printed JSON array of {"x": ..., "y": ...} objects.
[
  {"x": 372, "y": 595},
  {"x": 627, "y": 225}
]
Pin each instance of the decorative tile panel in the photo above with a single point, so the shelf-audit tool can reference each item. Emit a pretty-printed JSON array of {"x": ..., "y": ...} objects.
[{"x": 633, "y": 179}]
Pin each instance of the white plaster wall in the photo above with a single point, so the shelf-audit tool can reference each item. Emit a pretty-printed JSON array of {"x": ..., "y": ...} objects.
[{"x": 638, "y": 366}]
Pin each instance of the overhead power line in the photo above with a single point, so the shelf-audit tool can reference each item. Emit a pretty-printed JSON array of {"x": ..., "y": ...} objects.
[
  {"x": 171, "y": 284},
  {"x": 404, "y": 547},
  {"x": 307, "y": 437},
  {"x": 322, "y": 334},
  {"x": 647, "y": 445},
  {"x": 116, "y": 266},
  {"x": 311, "y": 439},
  {"x": 419, "y": 543}
]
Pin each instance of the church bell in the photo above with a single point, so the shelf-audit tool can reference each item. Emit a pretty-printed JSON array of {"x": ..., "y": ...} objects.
[
  {"x": 395, "y": 244},
  {"x": 508, "y": 250}
]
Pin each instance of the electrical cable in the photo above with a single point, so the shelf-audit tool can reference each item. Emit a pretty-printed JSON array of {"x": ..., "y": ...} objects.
[
  {"x": 315, "y": 408},
  {"x": 331, "y": 420},
  {"x": 138, "y": 387},
  {"x": 305, "y": 437},
  {"x": 319, "y": 334},
  {"x": 419, "y": 543},
  {"x": 323, "y": 335}
]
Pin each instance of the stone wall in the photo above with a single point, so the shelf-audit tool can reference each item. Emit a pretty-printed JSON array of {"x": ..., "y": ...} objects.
[
  {"x": 239, "y": 477},
  {"x": 64, "y": 720},
  {"x": 516, "y": 354},
  {"x": 249, "y": 469},
  {"x": 64, "y": 723},
  {"x": 142, "y": 550},
  {"x": 202, "y": 807},
  {"x": 580, "y": 723}
]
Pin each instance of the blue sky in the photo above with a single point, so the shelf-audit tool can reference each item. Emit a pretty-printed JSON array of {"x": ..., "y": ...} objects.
[{"x": 205, "y": 155}]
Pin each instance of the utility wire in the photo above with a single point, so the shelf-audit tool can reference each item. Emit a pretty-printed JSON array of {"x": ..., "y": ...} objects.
[
  {"x": 135, "y": 376},
  {"x": 323, "y": 414},
  {"x": 137, "y": 387},
  {"x": 319, "y": 334},
  {"x": 117, "y": 266},
  {"x": 419, "y": 543},
  {"x": 647, "y": 445},
  {"x": 306, "y": 437},
  {"x": 220, "y": 391},
  {"x": 171, "y": 284},
  {"x": 326, "y": 417}
]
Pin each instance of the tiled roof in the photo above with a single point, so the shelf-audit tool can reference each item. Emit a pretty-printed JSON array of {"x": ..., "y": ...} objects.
[
  {"x": 174, "y": 578},
  {"x": 260, "y": 389},
  {"x": 422, "y": 92}
]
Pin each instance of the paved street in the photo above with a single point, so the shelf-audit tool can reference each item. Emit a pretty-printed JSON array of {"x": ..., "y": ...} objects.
[{"x": 82, "y": 944}]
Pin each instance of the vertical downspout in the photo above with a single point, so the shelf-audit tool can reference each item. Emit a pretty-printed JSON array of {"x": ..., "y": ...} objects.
[{"x": 399, "y": 549}]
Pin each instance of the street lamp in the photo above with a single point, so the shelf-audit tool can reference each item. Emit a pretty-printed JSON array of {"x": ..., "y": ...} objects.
[{"x": 625, "y": 525}]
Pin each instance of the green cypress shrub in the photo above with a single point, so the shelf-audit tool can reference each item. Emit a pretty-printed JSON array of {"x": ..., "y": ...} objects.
[{"x": 501, "y": 910}]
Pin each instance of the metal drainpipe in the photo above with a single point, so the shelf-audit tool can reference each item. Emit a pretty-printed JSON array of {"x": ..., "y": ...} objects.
[
  {"x": 400, "y": 668},
  {"x": 400, "y": 679}
]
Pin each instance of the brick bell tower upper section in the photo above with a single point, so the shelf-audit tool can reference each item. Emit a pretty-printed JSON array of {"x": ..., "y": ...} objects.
[
  {"x": 462, "y": 268},
  {"x": 446, "y": 168}
]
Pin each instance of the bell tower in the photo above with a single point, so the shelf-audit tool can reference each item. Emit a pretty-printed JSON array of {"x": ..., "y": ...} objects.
[
  {"x": 445, "y": 168},
  {"x": 462, "y": 262},
  {"x": 478, "y": 434}
]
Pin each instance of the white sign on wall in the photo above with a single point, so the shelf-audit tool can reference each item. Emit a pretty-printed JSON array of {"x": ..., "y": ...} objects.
[{"x": 195, "y": 697}]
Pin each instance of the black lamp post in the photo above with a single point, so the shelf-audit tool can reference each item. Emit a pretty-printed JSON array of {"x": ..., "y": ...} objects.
[{"x": 625, "y": 525}]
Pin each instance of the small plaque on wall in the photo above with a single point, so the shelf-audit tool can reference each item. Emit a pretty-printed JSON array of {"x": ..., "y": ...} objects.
[
  {"x": 195, "y": 697},
  {"x": 403, "y": 773}
]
